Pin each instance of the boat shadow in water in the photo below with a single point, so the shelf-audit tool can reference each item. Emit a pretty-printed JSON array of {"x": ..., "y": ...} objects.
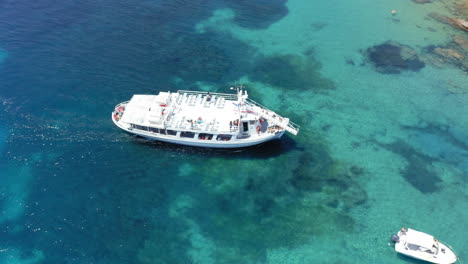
[{"x": 269, "y": 149}]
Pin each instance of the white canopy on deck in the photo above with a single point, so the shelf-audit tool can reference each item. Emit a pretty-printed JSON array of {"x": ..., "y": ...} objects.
[
  {"x": 146, "y": 110},
  {"x": 419, "y": 238}
]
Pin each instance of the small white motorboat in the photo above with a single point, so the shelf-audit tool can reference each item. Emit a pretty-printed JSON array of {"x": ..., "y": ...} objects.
[{"x": 422, "y": 246}]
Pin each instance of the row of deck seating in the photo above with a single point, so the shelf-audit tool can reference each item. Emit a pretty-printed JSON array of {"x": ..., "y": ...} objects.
[
  {"x": 183, "y": 123},
  {"x": 193, "y": 100}
]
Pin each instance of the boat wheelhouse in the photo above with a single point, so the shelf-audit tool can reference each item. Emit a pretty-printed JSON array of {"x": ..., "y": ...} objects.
[{"x": 201, "y": 119}]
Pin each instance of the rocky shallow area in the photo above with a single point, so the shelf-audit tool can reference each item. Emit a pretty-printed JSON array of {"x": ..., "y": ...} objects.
[{"x": 454, "y": 52}]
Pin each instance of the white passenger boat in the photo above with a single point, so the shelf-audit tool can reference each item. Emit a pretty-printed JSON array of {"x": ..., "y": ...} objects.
[
  {"x": 202, "y": 119},
  {"x": 422, "y": 246}
]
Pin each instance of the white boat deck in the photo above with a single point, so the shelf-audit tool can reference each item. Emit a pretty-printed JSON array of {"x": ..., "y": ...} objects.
[{"x": 195, "y": 111}]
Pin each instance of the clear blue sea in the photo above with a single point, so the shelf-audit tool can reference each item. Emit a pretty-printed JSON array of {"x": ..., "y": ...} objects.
[{"x": 380, "y": 146}]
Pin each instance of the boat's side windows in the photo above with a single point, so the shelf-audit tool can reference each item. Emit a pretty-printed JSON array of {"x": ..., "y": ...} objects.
[
  {"x": 141, "y": 127},
  {"x": 204, "y": 136},
  {"x": 154, "y": 130},
  {"x": 224, "y": 137},
  {"x": 187, "y": 134},
  {"x": 162, "y": 131},
  {"x": 171, "y": 132}
]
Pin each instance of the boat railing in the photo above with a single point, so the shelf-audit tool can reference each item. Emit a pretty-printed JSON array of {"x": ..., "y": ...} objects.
[
  {"x": 123, "y": 103},
  {"x": 273, "y": 116},
  {"x": 223, "y": 95}
]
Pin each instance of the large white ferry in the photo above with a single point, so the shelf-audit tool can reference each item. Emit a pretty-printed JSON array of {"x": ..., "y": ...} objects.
[{"x": 202, "y": 119}]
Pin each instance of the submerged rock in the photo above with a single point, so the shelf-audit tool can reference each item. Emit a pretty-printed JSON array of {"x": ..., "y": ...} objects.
[
  {"x": 455, "y": 22},
  {"x": 461, "y": 42},
  {"x": 440, "y": 18},
  {"x": 291, "y": 72},
  {"x": 459, "y": 23},
  {"x": 453, "y": 53},
  {"x": 449, "y": 54},
  {"x": 422, "y": 1},
  {"x": 392, "y": 58},
  {"x": 419, "y": 171}
]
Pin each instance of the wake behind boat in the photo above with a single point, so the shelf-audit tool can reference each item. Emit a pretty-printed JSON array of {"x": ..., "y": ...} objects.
[
  {"x": 422, "y": 246},
  {"x": 201, "y": 119}
]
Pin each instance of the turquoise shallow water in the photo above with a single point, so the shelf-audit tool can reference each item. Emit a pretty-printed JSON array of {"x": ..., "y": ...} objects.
[{"x": 376, "y": 151}]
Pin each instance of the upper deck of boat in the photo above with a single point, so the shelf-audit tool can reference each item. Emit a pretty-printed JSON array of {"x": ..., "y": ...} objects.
[{"x": 188, "y": 110}]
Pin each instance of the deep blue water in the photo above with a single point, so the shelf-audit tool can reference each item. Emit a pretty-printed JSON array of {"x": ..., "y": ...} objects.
[
  {"x": 75, "y": 189},
  {"x": 90, "y": 198}
]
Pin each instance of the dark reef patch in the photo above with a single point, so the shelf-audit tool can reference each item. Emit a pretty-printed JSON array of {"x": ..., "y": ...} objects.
[
  {"x": 277, "y": 206},
  {"x": 454, "y": 52},
  {"x": 318, "y": 26},
  {"x": 258, "y": 13},
  {"x": 442, "y": 131},
  {"x": 440, "y": 143},
  {"x": 291, "y": 72},
  {"x": 392, "y": 58},
  {"x": 319, "y": 173},
  {"x": 206, "y": 57},
  {"x": 418, "y": 172}
]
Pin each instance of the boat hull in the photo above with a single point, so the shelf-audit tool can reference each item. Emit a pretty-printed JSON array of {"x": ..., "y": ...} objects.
[{"x": 235, "y": 143}]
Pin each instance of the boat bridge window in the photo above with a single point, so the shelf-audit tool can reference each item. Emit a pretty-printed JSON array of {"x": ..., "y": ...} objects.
[
  {"x": 171, "y": 132},
  {"x": 245, "y": 126},
  {"x": 223, "y": 137},
  {"x": 204, "y": 136},
  {"x": 154, "y": 130},
  {"x": 162, "y": 131},
  {"x": 187, "y": 134}
]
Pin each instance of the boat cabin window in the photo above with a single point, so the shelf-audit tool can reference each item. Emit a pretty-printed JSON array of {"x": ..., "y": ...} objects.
[
  {"x": 204, "y": 136},
  {"x": 162, "y": 131},
  {"x": 171, "y": 132},
  {"x": 187, "y": 134},
  {"x": 141, "y": 127},
  {"x": 224, "y": 137},
  {"x": 245, "y": 126},
  {"x": 154, "y": 130}
]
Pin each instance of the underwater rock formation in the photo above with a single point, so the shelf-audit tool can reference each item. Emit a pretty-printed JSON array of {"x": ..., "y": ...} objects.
[
  {"x": 392, "y": 58},
  {"x": 310, "y": 195},
  {"x": 199, "y": 57},
  {"x": 291, "y": 72},
  {"x": 449, "y": 54},
  {"x": 459, "y": 23},
  {"x": 418, "y": 172},
  {"x": 462, "y": 42},
  {"x": 422, "y": 1},
  {"x": 257, "y": 14},
  {"x": 454, "y": 22},
  {"x": 453, "y": 53},
  {"x": 440, "y": 18}
]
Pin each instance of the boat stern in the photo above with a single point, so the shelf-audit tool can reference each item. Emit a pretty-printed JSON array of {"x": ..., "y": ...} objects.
[{"x": 118, "y": 111}]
